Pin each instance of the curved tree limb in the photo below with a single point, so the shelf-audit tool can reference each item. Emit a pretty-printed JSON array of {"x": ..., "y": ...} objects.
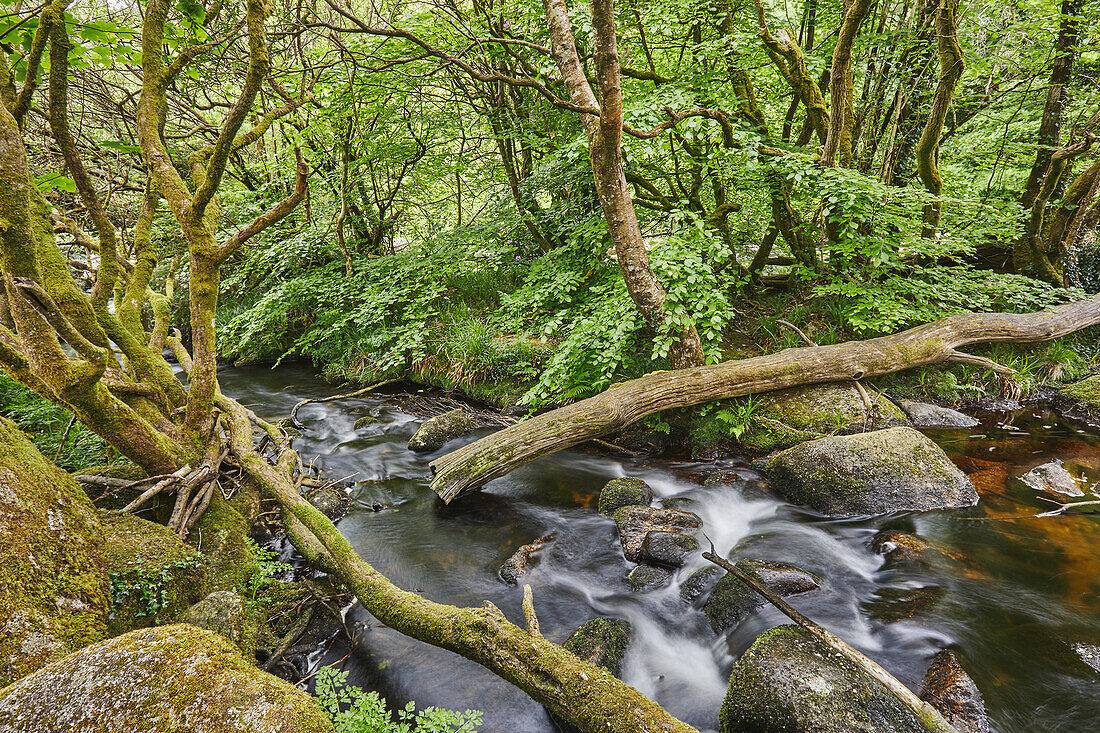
[{"x": 472, "y": 466}]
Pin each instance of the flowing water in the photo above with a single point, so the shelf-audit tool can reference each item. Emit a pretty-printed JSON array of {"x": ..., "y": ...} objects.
[{"x": 1013, "y": 596}]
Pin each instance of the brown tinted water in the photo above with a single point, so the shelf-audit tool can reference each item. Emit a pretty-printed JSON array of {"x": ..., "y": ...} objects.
[{"x": 1012, "y": 593}]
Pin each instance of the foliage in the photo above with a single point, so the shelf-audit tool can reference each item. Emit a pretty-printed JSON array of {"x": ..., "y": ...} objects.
[
  {"x": 146, "y": 592},
  {"x": 267, "y": 567},
  {"x": 354, "y": 711}
]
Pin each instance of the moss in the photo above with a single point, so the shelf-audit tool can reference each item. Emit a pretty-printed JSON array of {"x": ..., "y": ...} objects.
[
  {"x": 155, "y": 576},
  {"x": 170, "y": 678},
  {"x": 626, "y": 491},
  {"x": 56, "y": 591},
  {"x": 601, "y": 641},
  {"x": 1085, "y": 392},
  {"x": 221, "y": 534}
]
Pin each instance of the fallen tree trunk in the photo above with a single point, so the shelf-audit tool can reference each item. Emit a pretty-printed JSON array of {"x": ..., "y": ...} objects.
[{"x": 471, "y": 467}]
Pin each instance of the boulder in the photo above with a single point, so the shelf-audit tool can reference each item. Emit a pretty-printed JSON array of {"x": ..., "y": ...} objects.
[
  {"x": 179, "y": 678},
  {"x": 56, "y": 593},
  {"x": 520, "y": 561},
  {"x": 155, "y": 576},
  {"x": 699, "y": 583},
  {"x": 626, "y": 491},
  {"x": 222, "y": 535},
  {"x": 1085, "y": 393},
  {"x": 949, "y": 689},
  {"x": 648, "y": 577},
  {"x": 434, "y": 433},
  {"x": 788, "y": 417},
  {"x": 668, "y": 549},
  {"x": 332, "y": 500},
  {"x": 731, "y": 600},
  {"x": 890, "y": 605},
  {"x": 926, "y": 415},
  {"x": 788, "y": 681},
  {"x": 224, "y": 612},
  {"x": 634, "y": 522},
  {"x": 898, "y": 469},
  {"x": 601, "y": 641},
  {"x": 904, "y": 551},
  {"x": 1053, "y": 478}
]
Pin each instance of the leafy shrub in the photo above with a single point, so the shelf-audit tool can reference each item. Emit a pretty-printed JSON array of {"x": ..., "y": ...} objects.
[{"x": 354, "y": 711}]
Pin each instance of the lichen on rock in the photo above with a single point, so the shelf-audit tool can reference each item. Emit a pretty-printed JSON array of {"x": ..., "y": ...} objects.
[
  {"x": 625, "y": 491},
  {"x": 170, "y": 678},
  {"x": 55, "y": 585}
]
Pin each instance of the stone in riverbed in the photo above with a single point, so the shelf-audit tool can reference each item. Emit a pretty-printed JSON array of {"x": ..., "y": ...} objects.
[
  {"x": 731, "y": 600},
  {"x": 634, "y": 522},
  {"x": 699, "y": 583},
  {"x": 224, "y": 612},
  {"x": 178, "y": 678},
  {"x": 625, "y": 491},
  {"x": 1053, "y": 478},
  {"x": 949, "y": 689},
  {"x": 668, "y": 549},
  {"x": 904, "y": 551},
  {"x": 331, "y": 500},
  {"x": 601, "y": 641},
  {"x": 898, "y": 469},
  {"x": 890, "y": 605},
  {"x": 434, "y": 433},
  {"x": 926, "y": 415},
  {"x": 648, "y": 577},
  {"x": 520, "y": 561},
  {"x": 788, "y": 681}
]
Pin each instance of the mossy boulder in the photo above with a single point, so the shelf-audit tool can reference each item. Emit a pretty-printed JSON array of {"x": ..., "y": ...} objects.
[
  {"x": 788, "y": 681},
  {"x": 173, "y": 678},
  {"x": 699, "y": 583},
  {"x": 56, "y": 593},
  {"x": 648, "y": 577},
  {"x": 634, "y": 522},
  {"x": 226, "y": 613},
  {"x": 951, "y": 691},
  {"x": 788, "y": 417},
  {"x": 435, "y": 432},
  {"x": 155, "y": 576},
  {"x": 1085, "y": 393},
  {"x": 927, "y": 415},
  {"x": 732, "y": 601},
  {"x": 667, "y": 549},
  {"x": 222, "y": 535},
  {"x": 625, "y": 491},
  {"x": 601, "y": 641},
  {"x": 897, "y": 469}
]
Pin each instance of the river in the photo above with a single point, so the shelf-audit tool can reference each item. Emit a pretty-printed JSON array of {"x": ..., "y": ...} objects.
[{"x": 1015, "y": 596}]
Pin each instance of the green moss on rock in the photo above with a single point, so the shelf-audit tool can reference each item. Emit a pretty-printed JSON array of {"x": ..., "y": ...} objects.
[
  {"x": 155, "y": 576},
  {"x": 434, "y": 433},
  {"x": 56, "y": 594},
  {"x": 871, "y": 473},
  {"x": 172, "y": 678},
  {"x": 788, "y": 681},
  {"x": 731, "y": 600},
  {"x": 226, "y": 613},
  {"x": 791, "y": 416},
  {"x": 601, "y": 641},
  {"x": 625, "y": 491},
  {"x": 1086, "y": 393},
  {"x": 221, "y": 535}
]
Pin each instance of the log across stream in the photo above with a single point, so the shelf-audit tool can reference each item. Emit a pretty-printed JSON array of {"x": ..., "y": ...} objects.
[{"x": 1014, "y": 595}]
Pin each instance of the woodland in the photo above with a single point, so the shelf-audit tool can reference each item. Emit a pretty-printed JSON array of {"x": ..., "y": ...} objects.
[{"x": 585, "y": 220}]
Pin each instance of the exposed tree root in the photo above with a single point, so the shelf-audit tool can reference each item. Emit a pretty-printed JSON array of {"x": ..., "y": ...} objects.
[{"x": 474, "y": 465}]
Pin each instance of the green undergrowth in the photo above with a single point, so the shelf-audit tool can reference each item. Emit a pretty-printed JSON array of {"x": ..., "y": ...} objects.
[{"x": 352, "y": 710}]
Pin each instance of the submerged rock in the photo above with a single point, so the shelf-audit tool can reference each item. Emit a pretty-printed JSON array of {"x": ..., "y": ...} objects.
[
  {"x": 669, "y": 549},
  {"x": 949, "y": 689},
  {"x": 926, "y": 415},
  {"x": 634, "y": 522},
  {"x": 520, "y": 561},
  {"x": 155, "y": 575},
  {"x": 1053, "y": 478},
  {"x": 626, "y": 491},
  {"x": 224, "y": 612},
  {"x": 890, "y": 605},
  {"x": 331, "y": 500},
  {"x": 791, "y": 416},
  {"x": 731, "y": 600},
  {"x": 788, "y": 681},
  {"x": 178, "y": 678},
  {"x": 601, "y": 641},
  {"x": 1089, "y": 654},
  {"x": 871, "y": 473},
  {"x": 434, "y": 433},
  {"x": 904, "y": 551},
  {"x": 648, "y": 577},
  {"x": 55, "y": 588},
  {"x": 364, "y": 422},
  {"x": 699, "y": 583}
]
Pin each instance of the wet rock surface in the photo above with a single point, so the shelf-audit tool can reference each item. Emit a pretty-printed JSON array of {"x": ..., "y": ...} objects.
[
  {"x": 927, "y": 415},
  {"x": 788, "y": 681},
  {"x": 626, "y": 491},
  {"x": 523, "y": 559},
  {"x": 224, "y": 613},
  {"x": 178, "y": 678},
  {"x": 332, "y": 500},
  {"x": 699, "y": 583},
  {"x": 435, "y": 432},
  {"x": 1053, "y": 478},
  {"x": 1089, "y": 654},
  {"x": 898, "y": 469},
  {"x": 634, "y": 522},
  {"x": 951, "y": 691},
  {"x": 732, "y": 601},
  {"x": 668, "y": 549},
  {"x": 601, "y": 641},
  {"x": 648, "y": 577},
  {"x": 905, "y": 551}
]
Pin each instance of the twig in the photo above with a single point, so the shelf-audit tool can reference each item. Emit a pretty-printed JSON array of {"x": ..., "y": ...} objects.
[
  {"x": 64, "y": 437},
  {"x": 797, "y": 330},
  {"x": 529, "y": 611},
  {"x": 616, "y": 448},
  {"x": 921, "y": 709},
  {"x": 297, "y": 630},
  {"x": 157, "y": 488},
  {"x": 294, "y": 411}
]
